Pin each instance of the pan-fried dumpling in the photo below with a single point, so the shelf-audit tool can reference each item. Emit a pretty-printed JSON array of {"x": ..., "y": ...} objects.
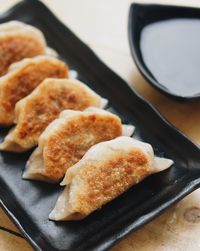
[
  {"x": 22, "y": 78},
  {"x": 107, "y": 170},
  {"x": 34, "y": 112},
  {"x": 66, "y": 140},
  {"x": 17, "y": 41}
]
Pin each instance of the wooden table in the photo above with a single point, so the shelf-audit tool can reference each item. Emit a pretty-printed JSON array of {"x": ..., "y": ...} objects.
[{"x": 103, "y": 25}]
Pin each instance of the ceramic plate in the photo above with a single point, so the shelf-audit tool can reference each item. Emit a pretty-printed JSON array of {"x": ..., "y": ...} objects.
[{"x": 29, "y": 203}]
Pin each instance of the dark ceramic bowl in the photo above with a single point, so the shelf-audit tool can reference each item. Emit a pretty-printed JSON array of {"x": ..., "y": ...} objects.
[{"x": 164, "y": 57}]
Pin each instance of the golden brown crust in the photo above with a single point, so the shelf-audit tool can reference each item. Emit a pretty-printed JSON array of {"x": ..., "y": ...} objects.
[
  {"x": 24, "y": 80},
  {"x": 66, "y": 147},
  {"x": 16, "y": 47},
  {"x": 45, "y": 104},
  {"x": 101, "y": 183},
  {"x": 106, "y": 171}
]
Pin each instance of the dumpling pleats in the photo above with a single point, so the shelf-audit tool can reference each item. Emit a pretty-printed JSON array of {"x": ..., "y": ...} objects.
[
  {"x": 107, "y": 170},
  {"x": 65, "y": 141},
  {"x": 22, "y": 78},
  {"x": 34, "y": 112},
  {"x": 18, "y": 41}
]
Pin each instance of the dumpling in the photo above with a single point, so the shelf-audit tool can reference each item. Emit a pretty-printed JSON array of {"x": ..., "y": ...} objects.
[
  {"x": 107, "y": 170},
  {"x": 17, "y": 41},
  {"x": 34, "y": 112},
  {"x": 22, "y": 78},
  {"x": 66, "y": 140}
]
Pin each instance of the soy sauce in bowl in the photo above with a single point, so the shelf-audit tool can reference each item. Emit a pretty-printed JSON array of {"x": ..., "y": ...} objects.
[
  {"x": 165, "y": 44},
  {"x": 171, "y": 51}
]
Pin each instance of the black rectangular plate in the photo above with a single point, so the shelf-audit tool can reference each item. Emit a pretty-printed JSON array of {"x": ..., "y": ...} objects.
[{"x": 29, "y": 203}]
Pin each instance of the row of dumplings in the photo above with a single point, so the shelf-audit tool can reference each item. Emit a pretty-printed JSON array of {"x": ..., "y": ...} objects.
[{"x": 74, "y": 137}]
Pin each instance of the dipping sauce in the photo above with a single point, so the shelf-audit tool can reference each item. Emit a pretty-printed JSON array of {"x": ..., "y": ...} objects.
[{"x": 171, "y": 51}]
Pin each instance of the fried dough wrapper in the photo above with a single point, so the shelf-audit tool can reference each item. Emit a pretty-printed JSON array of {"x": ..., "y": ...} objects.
[
  {"x": 22, "y": 78},
  {"x": 66, "y": 140},
  {"x": 34, "y": 112},
  {"x": 18, "y": 41},
  {"x": 107, "y": 170}
]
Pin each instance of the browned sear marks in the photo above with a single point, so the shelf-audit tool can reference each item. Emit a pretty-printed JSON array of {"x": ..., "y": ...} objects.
[
  {"x": 23, "y": 81},
  {"x": 13, "y": 48},
  {"x": 44, "y": 105},
  {"x": 67, "y": 146},
  {"x": 101, "y": 182}
]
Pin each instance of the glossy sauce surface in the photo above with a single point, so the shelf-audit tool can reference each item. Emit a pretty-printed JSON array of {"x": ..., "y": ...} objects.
[{"x": 171, "y": 51}]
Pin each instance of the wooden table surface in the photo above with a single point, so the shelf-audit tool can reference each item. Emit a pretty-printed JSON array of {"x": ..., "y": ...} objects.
[{"x": 103, "y": 25}]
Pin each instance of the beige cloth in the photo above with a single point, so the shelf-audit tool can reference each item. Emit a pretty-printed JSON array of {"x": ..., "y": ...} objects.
[{"x": 103, "y": 25}]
